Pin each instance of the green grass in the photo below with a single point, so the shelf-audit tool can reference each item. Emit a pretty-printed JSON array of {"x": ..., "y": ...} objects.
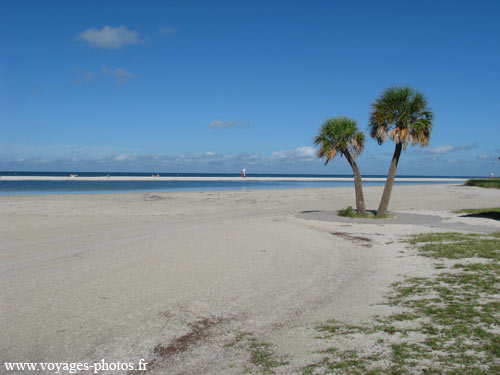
[
  {"x": 261, "y": 354},
  {"x": 492, "y": 183},
  {"x": 350, "y": 212},
  {"x": 447, "y": 324},
  {"x": 458, "y": 245}
]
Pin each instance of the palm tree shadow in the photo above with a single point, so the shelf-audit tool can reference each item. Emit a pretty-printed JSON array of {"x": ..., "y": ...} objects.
[{"x": 493, "y": 215}]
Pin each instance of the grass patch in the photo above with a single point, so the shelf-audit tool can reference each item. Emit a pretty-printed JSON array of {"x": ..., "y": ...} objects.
[
  {"x": 261, "y": 354},
  {"x": 491, "y": 183},
  {"x": 334, "y": 328},
  {"x": 447, "y": 324},
  {"x": 350, "y": 212},
  {"x": 457, "y": 245}
]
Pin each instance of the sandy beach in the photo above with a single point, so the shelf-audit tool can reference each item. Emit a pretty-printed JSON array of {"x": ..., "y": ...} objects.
[{"x": 174, "y": 278}]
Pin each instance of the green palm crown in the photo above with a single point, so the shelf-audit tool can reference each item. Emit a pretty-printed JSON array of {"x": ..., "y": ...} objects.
[
  {"x": 402, "y": 114},
  {"x": 339, "y": 135}
]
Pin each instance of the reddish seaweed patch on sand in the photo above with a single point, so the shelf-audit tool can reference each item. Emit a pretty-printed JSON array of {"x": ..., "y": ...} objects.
[
  {"x": 365, "y": 240},
  {"x": 199, "y": 330}
]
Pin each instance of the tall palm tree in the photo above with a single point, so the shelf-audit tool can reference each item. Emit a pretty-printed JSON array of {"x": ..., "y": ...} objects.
[
  {"x": 340, "y": 135},
  {"x": 402, "y": 114}
]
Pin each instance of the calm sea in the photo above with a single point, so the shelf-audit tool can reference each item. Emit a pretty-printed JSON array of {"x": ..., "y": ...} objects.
[{"x": 96, "y": 187}]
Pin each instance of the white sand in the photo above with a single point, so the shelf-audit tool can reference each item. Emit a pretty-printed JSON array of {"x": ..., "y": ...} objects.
[{"x": 86, "y": 277}]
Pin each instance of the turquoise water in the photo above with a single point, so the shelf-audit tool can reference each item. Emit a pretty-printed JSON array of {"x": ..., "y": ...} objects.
[{"x": 99, "y": 187}]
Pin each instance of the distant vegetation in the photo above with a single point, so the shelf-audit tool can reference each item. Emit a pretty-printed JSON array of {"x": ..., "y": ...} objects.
[{"x": 493, "y": 183}]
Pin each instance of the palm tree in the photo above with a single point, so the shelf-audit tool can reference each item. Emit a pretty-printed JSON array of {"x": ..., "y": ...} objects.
[
  {"x": 402, "y": 114},
  {"x": 340, "y": 135}
]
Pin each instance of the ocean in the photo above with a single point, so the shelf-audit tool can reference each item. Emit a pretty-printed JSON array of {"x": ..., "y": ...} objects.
[{"x": 197, "y": 182}]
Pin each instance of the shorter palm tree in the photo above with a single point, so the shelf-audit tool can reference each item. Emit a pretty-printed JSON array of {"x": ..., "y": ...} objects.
[{"x": 340, "y": 135}]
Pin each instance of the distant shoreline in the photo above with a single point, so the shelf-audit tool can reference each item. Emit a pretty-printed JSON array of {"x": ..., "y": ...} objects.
[{"x": 185, "y": 178}]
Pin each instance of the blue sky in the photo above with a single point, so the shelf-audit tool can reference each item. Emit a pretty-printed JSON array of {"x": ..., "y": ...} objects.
[{"x": 215, "y": 86}]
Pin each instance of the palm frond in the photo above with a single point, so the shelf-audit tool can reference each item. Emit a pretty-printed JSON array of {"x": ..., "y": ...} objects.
[
  {"x": 401, "y": 114},
  {"x": 339, "y": 136},
  {"x": 357, "y": 144}
]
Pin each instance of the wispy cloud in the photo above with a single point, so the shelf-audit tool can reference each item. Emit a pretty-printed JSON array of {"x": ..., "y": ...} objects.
[
  {"x": 124, "y": 157},
  {"x": 488, "y": 156},
  {"x": 300, "y": 156},
  {"x": 109, "y": 37},
  {"x": 219, "y": 124},
  {"x": 304, "y": 153},
  {"x": 446, "y": 149},
  {"x": 295, "y": 160},
  {"x": 167, "y": 30},
  {"x": 120, "y": 75},
  {"x": 440, "y": 149},
  {"x": 83, "y": 76}
]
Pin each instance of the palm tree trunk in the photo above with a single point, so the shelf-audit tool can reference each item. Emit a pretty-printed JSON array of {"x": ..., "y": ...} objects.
[
  {"x": 358, "y": 185},
  {"x": 386, "y": 195}
]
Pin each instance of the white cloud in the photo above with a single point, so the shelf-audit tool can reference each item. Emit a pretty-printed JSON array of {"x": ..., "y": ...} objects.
[
  {"x": 124, "y": 157},
  {"x": 282, "y": 154},
  {"x": 109, "y": 37},
  {"x": 446, "y": 149},
  {"x": 167, "y": 30},
  {"x": 441, "y": 149},
  {"x": 303, "y": 153},
  {"x": 121, "y": 75},
  {"x": 203, "y": 161},
  {"x": 306, "y": 151},
  {"x": 295, "y": 160}
]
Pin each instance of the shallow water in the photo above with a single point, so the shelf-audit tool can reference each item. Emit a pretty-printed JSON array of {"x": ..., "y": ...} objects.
[{"x": 109, "y": 187}]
